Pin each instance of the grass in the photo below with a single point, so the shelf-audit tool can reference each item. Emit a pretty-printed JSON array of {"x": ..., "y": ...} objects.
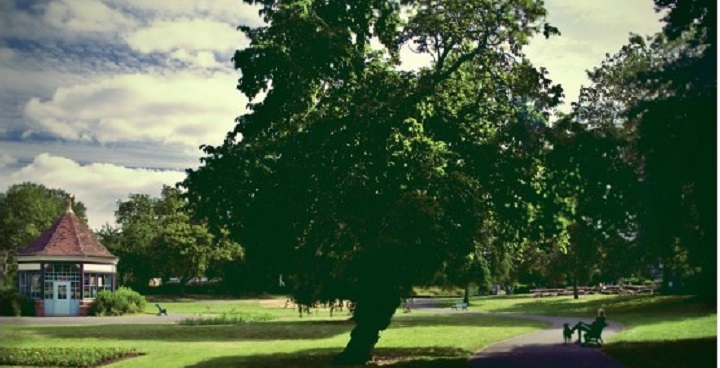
[
  {"x": 413, "y": 340},
  {"x": 275, "y": 306},
  {"x": 661, "y": 331}
]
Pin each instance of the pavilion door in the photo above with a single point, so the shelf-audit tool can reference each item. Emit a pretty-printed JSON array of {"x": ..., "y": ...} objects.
[{"x": 61, "y": 297}]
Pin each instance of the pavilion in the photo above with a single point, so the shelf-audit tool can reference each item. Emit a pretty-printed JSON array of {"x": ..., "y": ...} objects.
[{"x": 64, "y": 269}]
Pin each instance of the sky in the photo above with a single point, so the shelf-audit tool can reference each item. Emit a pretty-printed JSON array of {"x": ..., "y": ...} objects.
[{"x": 104, "y": 98}]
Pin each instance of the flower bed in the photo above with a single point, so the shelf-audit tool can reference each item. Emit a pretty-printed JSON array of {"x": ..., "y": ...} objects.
[
  {"x": 64, "y": 357},
  {"x": 227, "y": 319}
]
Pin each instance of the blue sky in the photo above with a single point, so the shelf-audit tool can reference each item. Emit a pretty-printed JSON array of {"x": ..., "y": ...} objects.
[{"x": 103, "y": 98}]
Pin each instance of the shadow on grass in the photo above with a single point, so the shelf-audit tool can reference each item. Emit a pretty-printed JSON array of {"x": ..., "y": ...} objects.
[
  {"x": 546, "y": 356},
  {"x": 224, "y": 333},
  {"x": 660, "y": 354},
  {"x": 459, "y": 319},
  {"x": 680, "y": 354},
  {"x": 437, "y": 357},
  {"x": 266, "y": 331}
]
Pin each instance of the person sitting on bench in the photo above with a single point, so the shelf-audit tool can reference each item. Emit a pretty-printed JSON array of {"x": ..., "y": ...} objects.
[{"x": 598, "y": 323}]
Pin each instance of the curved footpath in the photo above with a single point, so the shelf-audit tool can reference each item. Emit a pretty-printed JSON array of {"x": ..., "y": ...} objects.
[
  {"x": 541, "y": 349},
  {"x": 544, "y": 348}
]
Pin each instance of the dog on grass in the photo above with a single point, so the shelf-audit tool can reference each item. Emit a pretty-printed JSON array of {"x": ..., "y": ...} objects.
[{"x": 567, "y": 333}]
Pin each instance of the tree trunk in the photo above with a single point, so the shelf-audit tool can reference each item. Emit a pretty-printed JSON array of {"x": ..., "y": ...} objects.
[
  {"x": 372, "y": 314},
  {"x": 466, "y": 298},
  {"x": 576, "y": 294}
]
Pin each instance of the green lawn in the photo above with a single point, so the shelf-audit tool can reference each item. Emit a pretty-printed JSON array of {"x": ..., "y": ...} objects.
[
  {"x": 661, "y": 331},
  {"x": 413, "y": 340}
]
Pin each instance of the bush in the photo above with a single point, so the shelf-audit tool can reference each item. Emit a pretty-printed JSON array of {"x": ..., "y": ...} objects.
[
  {"x": 122, "y": 301},
  {"x": 15, "y": 304}
]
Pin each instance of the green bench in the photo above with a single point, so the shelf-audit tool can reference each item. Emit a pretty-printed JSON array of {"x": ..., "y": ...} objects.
[
  {"x": 594, "y": 336},
  {"x": 161, "y": 311}
]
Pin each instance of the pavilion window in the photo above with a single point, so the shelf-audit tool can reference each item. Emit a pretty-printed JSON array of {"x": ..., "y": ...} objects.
[
  {"x": 30, "y": 284},
  {"x": 93, "y": 283}
]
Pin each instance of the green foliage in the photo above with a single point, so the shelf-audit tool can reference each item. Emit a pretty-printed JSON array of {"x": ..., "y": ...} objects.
[
  {"x": 157, "y": 237},
  {"x": 14, "y": 304},
  {"x": 28, "y": 209},
  {"x": 116, "y": 303},
  {"x": 63, "y": 357},
  {"x": 663, "y": 92},
  {"x": 359, "y": 180},
  {"x": 351, "y": 172}
]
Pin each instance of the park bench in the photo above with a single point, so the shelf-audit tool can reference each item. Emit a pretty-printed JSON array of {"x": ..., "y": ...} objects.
[
  {"x": 537, "y": 293},
  {"x": 161, "y": 310},
  {"x": 456, "y": 306},
  {"x": 594, "y": 336}
]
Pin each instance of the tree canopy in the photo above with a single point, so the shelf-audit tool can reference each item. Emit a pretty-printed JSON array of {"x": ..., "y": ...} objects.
[
  {"x": 662, "y": 91},
  {"x": 359, "y": 179},
  {"x": 28, "y": 209}
]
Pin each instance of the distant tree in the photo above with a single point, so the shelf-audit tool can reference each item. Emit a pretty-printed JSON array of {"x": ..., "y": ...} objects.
[
  {"x": 28, "y": 209},
  {"x": 663, "y": 90},
  {"x": 593, "y": 192},
  {"x": 351, "y": 175},
  {"x": 157, "y": 237}
]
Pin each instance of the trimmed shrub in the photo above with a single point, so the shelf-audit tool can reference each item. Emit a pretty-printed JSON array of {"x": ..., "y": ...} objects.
[
  {"x": 122, "y": 301},
  {"x": 15, "y": 304}
]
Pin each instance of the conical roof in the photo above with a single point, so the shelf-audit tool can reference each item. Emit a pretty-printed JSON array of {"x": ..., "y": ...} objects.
[{"x": 68, "y": 236}]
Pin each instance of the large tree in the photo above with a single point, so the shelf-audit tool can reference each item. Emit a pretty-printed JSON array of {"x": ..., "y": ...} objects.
[
  {"x": 356, "y": 178},
  {"x": 593, "y": 192},
  {"x": 677, "y": 139}
]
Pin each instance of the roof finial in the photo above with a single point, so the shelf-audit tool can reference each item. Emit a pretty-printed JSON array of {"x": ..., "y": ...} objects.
[{"x": 70, "y": 199}]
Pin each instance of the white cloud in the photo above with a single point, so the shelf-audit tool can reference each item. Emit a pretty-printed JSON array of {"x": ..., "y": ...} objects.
[
  {"x": 86, "y": 16},
  {"x": 181, "y": 108},
  {"x": 7, "y": 160},
  {"x": 99, "y": 186},
  {"x": 63, "y": 20},
  {"x": 233, "y": 12},
  {"x": 190, "y": 40},
  {"x": 192, "y": 34}
]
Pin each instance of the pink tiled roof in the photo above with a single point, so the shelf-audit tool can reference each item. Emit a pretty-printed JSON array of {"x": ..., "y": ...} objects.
[{"x": 68, "y": 236}]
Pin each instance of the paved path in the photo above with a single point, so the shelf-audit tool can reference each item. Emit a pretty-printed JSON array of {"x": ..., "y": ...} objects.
[
  {"x": 545, "y": 348},
  {"x": 541, "y": 349},
  {"x": 138, "y": 319}
]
